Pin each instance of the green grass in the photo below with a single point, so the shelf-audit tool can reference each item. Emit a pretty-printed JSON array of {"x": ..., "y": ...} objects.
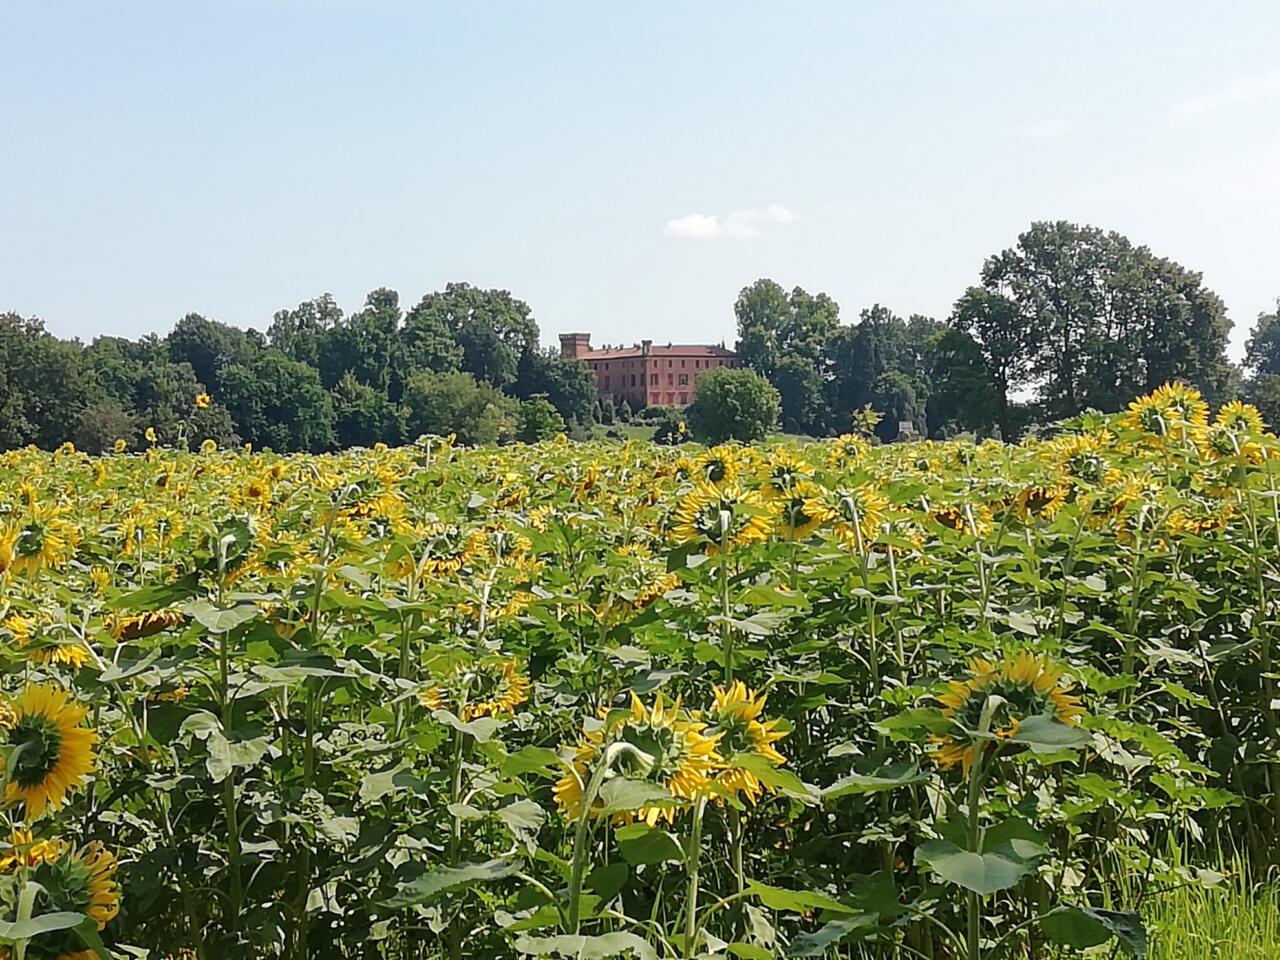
[{"x": 1230, "y": 922}]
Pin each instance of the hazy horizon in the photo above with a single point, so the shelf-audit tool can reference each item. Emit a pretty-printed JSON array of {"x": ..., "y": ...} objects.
[{"x": 624, "y": 172}]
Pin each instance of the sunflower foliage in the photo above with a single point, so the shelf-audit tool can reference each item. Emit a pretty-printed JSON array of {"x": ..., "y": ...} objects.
[{"x": 943, "y": 700}]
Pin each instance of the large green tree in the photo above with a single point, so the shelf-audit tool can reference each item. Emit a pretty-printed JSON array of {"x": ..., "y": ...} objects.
[
  {"x": 734, "y": 405},
  {"x": 1090, "y": 320},
  {"x": 568, "y": 384},
  {"x": 444, "y": 403},
  {"x": 209, "y": 345},
  {"x": 279, "y": 403},
  {"x": 491, "y": 327},
  {"x": 44, "y": 384},
  {"x": 299, "y": 333}
]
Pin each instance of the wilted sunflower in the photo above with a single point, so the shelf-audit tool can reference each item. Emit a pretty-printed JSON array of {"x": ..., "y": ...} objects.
[
  {"x": 973, "y": 518},
  {"x": 663, "y": 746},
  {"x": 1040, "y": 501},
  {"x": 135, "y": 626},
  {"x": 53, "y": 752},
  {"x": 720, "y": 517},
  {"x": 736, "y": 717},
  {"x": 1029, "y": 687}
]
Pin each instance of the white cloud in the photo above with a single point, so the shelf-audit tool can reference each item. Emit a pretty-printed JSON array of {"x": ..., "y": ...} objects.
[
  {"x": 1246, "y": 90},
  {"x": 1046, "y": 128},
  {"x": 735, "y": 225}
]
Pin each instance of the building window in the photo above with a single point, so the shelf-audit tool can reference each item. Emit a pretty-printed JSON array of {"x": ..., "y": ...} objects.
[
  {"x": 670, "y": 379},
  {"x": 670, "y": 363},
  {"x": 606, "y": 381},
  {"x": 671, "y": 398},
  {"x": 684, "y": 398},
  {"x": 633, "y": 379},
  {"x": 653, "y": 379},
  {"x": 682, "y": 362},
  {"x": 606, "y": 364},
  {"x": 684, "y": 379}
]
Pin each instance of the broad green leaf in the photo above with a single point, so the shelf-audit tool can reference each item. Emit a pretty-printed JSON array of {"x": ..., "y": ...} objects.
[
  {"x": 775, "y": 777},
  {"x": 537, "y": 760},
  {"x": 1043, "y": 734},
  {"x": 797, "y": 901},
  {"x": 983, "y": 873},
  {"x": 523, "y": 818},
  {"x": 1082, "y": 927},
  {"x": 481, "y": 728},
  {"x": 46, "y": 923},
  {"x": 749, "y": 951},
  {"x": 840, "y": 930},
  {"x": 640, "y": 844},
  {"x": 886, "y": 778},
  {"x": 441, "y": 880},
  {"x": 219, "y": 620},
  {"x": 621, "y": 795}
]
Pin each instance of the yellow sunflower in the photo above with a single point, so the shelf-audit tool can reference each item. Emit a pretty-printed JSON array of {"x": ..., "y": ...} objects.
[
  {"x": 42, "y": 540},
  {"x": 974, "y": 518},
  {"x": 1240, "y": 418},
  {"x": 783, "y": 474},
  {"x": 135, "y": 626},
  {"x": 1040, "y": 501},
  {"x": 846, "y": 450},
  {"x": 203, "y": 400},
  {"x": 719, "y": 466},
  {"x": 795, "y": 519},
  {"x": 53, "y": 752},
  {"x": 1174, "y": 409},
  {"x": 856, "y": 514},
  {"x": 736, "y": 717},
  {"x": 661, "y": 745},
  {"x": 719, "y": 517},
  {"x": 1029, "y": 686}
]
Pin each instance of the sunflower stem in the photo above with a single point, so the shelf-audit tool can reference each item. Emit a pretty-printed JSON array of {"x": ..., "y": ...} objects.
[
  {"x": 579, "y": 864},
  {"x": 693, "y": 859}
]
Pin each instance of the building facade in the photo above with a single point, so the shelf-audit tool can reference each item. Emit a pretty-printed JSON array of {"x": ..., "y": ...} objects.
[{"x": 646, "y": 375}]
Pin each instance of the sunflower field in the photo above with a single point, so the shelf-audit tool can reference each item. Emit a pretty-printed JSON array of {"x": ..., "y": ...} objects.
[{"x": 587, "y": 700}]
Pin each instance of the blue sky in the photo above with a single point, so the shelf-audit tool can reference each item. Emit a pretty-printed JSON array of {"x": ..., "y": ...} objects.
[{"x": 624, "y": 168}]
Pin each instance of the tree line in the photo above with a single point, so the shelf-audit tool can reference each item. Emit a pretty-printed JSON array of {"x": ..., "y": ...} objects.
[
  {"x": 462, "y": 360},
  {"x": 1070, "y": 318}
]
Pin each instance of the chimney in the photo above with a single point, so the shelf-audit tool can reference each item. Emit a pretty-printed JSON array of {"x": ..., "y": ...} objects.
[
  {"x": 644, "y": 347},
  {"x": 574, "y": 345}
]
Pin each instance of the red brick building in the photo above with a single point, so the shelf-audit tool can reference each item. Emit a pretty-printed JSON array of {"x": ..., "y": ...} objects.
[{"x": 646, "y": 375}]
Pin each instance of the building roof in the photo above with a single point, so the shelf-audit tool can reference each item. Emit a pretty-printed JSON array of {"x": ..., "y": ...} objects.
[{"x": 670, "y": 350}]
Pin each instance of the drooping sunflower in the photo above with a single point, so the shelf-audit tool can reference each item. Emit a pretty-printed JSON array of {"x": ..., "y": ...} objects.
[
  {"x": 42, "y": 539},
  {"x": 1240, "y": 418},
  {"x": 73, "y": 880},
  {"x": 1029, "y": 686},
  {"x": 660, "y": 744},
  {"x": 856, "y": 514},
  {"x": 1040, "y": 501},
  {"x": 53, "y": 751},
  {"x": 447, "y": 549},
  {"x": 135, "y": 626},
  {"x": 719, "y": 466},
  {"x": 736, "y": 717},
  {"x": 972, "y": 518},
  {"x": 795, "y": 519},
  {"x": 783, "y": 473},
  {"x": 722, "y": 517},
  {"x": 846, "y": 450}
]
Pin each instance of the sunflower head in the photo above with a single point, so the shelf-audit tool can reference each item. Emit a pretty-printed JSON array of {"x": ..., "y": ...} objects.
[
  {"x": 52, "y": 751},
  {"x": 1041, "y": 501},
  {"x": 783, "y": 474},
  {"x": 1027, "y": 686},
  {"x": 719, "y": 518},
  {"x": 799, "y": 512},
  {"x": 737, "y": 717},
  {"x": 660, "y": 744},
  {"x": 719, "y": 466}
]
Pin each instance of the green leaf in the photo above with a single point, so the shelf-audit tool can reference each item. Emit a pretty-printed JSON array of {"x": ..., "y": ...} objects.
[
  {"x": 481, "y": 728},
  {"x": 797, "y": 901},
  {"x": 913, "y": 724},
  {"x": 1082, "y": 927},
  {"x": 816, "y": 943},
  {"x": 749, "y": 951},
  {"x": 983, "y": 873},
  {"x": 161, "y": 595},
  {"x": 46, "y": 923},
  {"x": 219, "y": 620},
  {"x": 1043, "y": 734},
  {"x": 577, "y": 947},
  {"x": 442, "y": 880},
  {"x": 886, "y": 778},
  {"x": 606, "y": 880},
  {"x": 775, "y": 777},
  {"x": 641, "y": 844},
  {"x": 523, "y": 818},
  {"x": 621, "y": 795},
  {"x": 537, "y": 760}
]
